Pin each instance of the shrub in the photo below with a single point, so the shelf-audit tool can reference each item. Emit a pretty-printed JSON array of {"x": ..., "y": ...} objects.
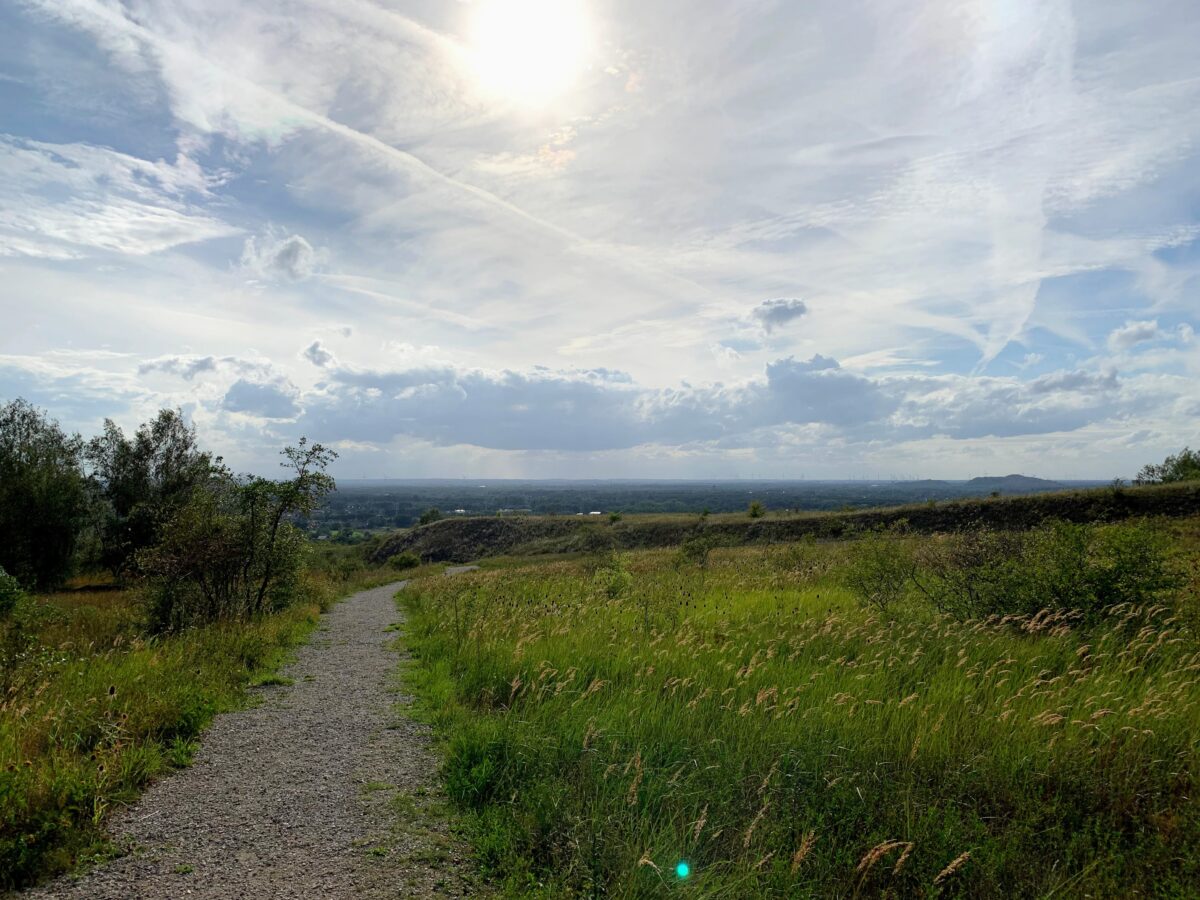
[
  {"x": 880, "y": 569},
  {"x": 695, "y": 549},
  {"x": 1059, "y": 566},
  {"x": 1182, "y": 466},
  {"x": 756, "y": 510},
  {"x": 430, "y": 516},
  {"x": 10, "y": 593},
  {"x": 231, "y": 551},
  {"x": 406, "y": 560},
  {"x": 612, "y": 577}
]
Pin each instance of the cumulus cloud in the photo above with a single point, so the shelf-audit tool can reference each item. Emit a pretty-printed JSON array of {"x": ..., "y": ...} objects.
[
  {"x": 267, "y": 400},
  {"x": 290, "y": 257},
  {"x": 316, "y": 354},
  {"x": 594, "y": 409},
  {"x": 1133, "y": 333},
  {"x": 773, "y": 314}
]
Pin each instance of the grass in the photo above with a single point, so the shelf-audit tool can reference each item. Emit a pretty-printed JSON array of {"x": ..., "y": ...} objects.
[
  {"x": 93, "y": 709},
  {"x": 752, "y": 720}
]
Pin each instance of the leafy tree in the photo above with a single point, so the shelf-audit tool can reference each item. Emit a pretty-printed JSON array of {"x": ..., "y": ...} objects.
[
  {"x": 232, "y": 550},
  {"x": 430, "y": 516},
  {"x": 1181, "y": 466},
  {"x": 43, "y": 496},
  {"x": 143, "y": 480},
  {"x": 756, "y": 510}
]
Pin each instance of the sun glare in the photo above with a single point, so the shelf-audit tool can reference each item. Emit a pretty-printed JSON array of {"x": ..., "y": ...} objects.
[{"x": 530, "y": 51}]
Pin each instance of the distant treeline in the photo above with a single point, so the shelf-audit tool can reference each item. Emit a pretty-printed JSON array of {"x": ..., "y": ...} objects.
[
  {"x": 373, "y": 507},
  {"x": 468, "y": 539}
]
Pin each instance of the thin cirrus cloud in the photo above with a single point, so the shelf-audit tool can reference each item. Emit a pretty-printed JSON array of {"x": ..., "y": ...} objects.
[{"x": 988, "y": 209}]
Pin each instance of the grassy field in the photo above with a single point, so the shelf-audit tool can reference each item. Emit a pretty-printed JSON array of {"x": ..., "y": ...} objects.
[
  {"x": 91, "y": 708},
  {"x": 603, "y": 723}
]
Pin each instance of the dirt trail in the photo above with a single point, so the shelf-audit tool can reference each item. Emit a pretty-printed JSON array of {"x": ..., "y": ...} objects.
[{"x": 322, "y": 790}]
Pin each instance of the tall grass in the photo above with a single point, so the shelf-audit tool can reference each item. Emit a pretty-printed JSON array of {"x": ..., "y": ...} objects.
[
  {"x": 92, "y": 709},
  {"x": 752, "y": 720}
]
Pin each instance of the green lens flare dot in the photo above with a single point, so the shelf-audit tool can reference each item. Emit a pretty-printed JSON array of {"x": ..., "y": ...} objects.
[{"x": 682, "y": 869}]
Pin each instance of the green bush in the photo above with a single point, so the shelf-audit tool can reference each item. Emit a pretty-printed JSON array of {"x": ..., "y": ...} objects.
[
  {"x": 406, "y": 560},
  {"x": 756, "y": 510},
  {"x": 1060, "y": 566},
  {"x": 1182, "y": 466},
  {"x": 880, "y": 569},
  {"x": 695, "y": 550}
]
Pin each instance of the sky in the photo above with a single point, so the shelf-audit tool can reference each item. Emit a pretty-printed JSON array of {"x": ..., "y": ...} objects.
[{"x": 611, "y": 239}]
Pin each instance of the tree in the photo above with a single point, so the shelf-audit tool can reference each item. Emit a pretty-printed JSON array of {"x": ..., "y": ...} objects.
[
  {"x": 1182, "y": 466},
  {"x": 143, "y": 481},
  {"x": 232, "y": 550},
  {"x": 430, "y": 516},
  {"x": 756, "y": 510},
  {"x": 43, "y": 496}
]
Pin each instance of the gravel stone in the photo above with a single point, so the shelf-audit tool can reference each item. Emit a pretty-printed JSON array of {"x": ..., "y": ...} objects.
[{"x": 298, "y": 796}]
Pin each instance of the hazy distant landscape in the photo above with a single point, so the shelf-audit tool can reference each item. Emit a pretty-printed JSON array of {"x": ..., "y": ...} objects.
[{"x": 367, "y": 506}]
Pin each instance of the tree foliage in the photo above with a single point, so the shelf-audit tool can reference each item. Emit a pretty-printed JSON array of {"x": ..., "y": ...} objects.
[
  {"x": 143, "y": 480},
  {"x": 232, "y": 551},
  {"x": 43, "y": 496},
  {"x": 1181, "y": 466}
]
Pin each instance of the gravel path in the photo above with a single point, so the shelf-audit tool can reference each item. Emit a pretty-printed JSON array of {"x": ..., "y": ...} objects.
[{"x": 324, "y": 789}]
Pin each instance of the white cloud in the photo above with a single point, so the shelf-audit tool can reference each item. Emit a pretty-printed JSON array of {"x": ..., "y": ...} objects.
[
  {"x": 316, "y": 354},
  {"x": 58, "y": 201},
  {"x": 289, "y": 256},
  {"x": 1132, "y": 333}
]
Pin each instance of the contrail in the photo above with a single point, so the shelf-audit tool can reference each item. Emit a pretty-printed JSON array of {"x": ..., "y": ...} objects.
[{"x": 410, "y": 163}]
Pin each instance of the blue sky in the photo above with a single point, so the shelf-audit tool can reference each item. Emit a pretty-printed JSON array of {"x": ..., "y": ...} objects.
[{"x": 600, "y": 238}]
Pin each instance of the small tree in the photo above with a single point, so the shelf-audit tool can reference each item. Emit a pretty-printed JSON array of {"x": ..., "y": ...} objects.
[
  {"x": 1182, "y": 466},
  {"x": 143, "y": 481},
  {"x": 430, "y": 516},
  {"x": 232, "y": 551},
  {"x": 756, "y": 510},
  {"x": 44, "y": 502}
]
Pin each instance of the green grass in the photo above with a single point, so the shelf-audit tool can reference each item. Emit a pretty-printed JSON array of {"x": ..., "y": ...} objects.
[
  {"x": 93, "y": 709},
  {"x": 754, "y": 721}
]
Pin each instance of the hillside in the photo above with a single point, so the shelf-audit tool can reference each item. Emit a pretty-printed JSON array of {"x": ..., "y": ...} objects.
[
  {"x": 464, "y": 539},
  {"x": 1014, "y": 484}
]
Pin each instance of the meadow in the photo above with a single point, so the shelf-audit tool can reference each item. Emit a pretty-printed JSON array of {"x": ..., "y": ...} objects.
[
  {"x": 93, "y": 706},
  {"x": 737, "y": 723}
]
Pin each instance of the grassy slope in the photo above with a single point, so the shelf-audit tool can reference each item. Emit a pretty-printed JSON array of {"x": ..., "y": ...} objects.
[
  {"x": 464, "y": 540},
  {"x": 773, "y": 734},
  {"x": 94, "y": 710}
]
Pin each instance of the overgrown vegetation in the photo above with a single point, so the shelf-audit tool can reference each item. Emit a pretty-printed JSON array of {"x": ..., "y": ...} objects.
[
  {"x": 94, "y": 705},
  {"x": 106, "y": 684},
  {"x": 755, "y": 719},
  {"x": 1181, "y": 466},
  {"x": 44, "y": 505}
]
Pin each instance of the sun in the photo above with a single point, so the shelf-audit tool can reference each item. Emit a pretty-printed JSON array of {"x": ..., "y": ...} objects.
[{"x": 529, "y": 52}]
